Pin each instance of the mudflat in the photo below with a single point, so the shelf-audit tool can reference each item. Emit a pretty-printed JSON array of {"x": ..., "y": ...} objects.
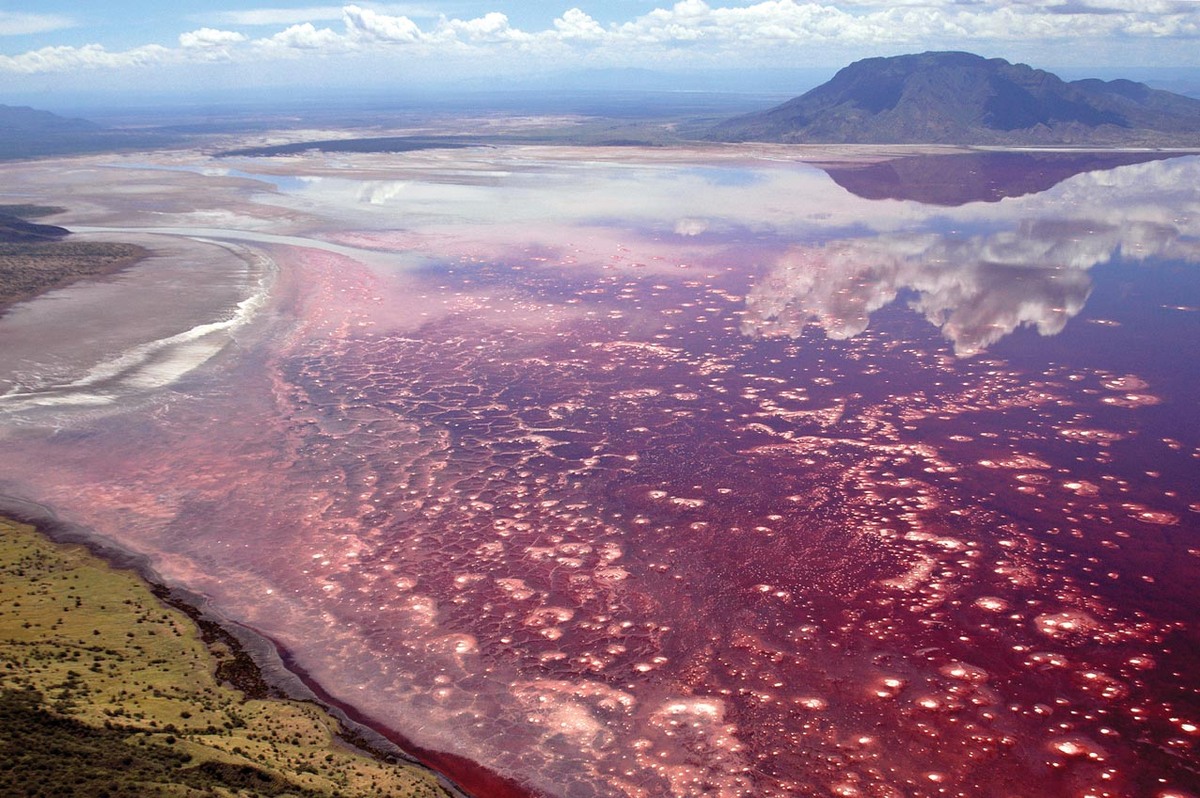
[{"x": 28, "y": 269}]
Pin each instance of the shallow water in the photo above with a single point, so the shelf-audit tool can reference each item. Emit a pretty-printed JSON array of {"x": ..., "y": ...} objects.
[
  {"x": 703, "y": 478},
  {"x": 117, "y": 340}
]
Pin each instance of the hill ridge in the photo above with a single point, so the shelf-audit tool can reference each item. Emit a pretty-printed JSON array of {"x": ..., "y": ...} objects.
[{"x": 955, "y": 97}]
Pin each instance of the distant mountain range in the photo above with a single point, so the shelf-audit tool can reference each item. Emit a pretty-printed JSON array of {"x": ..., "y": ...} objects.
[
  {"x": 22, "y": 120},
  {"x": 29, "y": 133},
  {"x": 961, "y": 98}
]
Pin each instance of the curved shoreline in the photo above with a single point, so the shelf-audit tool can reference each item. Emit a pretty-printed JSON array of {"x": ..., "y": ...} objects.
[
  {"x": 67, "y": 276},
  {"x": 154, "y": 364},
  {"x": 468, "y": 775},
  {"x": 264, "y": 668}
]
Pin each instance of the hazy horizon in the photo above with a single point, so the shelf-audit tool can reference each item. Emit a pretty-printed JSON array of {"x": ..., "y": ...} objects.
[
  {"x": 69, "y": 53},
  {"x": 610, "y": 92}
]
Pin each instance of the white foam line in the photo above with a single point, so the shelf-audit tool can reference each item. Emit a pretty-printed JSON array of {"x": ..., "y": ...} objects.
[
  {"x": 202, "y": 233},
  {"x": 140, "y": 373},
  {"x": 140, "y": 354}
]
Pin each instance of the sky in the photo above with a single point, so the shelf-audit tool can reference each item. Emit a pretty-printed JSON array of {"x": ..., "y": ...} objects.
[{"x": 61, "y": 46}]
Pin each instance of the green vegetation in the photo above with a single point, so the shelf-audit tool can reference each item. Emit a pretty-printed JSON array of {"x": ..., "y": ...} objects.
[{"x": 106, "y": 691}]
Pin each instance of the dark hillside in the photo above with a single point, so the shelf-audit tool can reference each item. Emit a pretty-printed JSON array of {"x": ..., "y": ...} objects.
[
  {"x": 30, "y": 133},
  {"x": 960, "y": 98},
  {"x": 16, "y": 229}
]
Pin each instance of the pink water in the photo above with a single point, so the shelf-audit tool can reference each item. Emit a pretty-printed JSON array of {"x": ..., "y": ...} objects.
[{"x": 625, "y": 530}]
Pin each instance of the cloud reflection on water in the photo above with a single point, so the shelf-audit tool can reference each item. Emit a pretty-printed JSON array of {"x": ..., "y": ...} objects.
[
  {"x": 571, "y": 524},
  {"x": 977, "y": 271},
  {"x": 974, "y": 300},
  {"x": 1031, "y": 272}
]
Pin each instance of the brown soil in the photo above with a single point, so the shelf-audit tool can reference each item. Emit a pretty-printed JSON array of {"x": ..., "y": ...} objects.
[{"x": 29, "y": 269}]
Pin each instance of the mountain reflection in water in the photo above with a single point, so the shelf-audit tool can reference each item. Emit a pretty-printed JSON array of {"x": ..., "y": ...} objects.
[
  {"x": 1033, "y": 271},
  {"x": 655, "y": 474},
  {"x": 976, "y": 177}
]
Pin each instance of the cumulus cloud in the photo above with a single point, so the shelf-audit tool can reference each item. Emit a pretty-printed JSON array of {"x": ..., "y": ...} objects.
[
  {"x": 298, "y": 15},
  {"x": 304, "y": 36},
  {"x": 576, "y": 25},
  {"x": 210, "y": 37},
  {"x": 364, "y": 23},
  {"x": 902, "y": 23},
  {"x": 492, "y": 28},
  {"x": 686, "y": 29},
  {"x": 90, "y": 56}
]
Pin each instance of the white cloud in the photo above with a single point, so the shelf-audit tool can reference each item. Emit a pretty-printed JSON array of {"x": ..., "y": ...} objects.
[
  {"x": 373, "y": 26},
  {"x": 577, "y": 25},
  {"x": 18, "y": 23},
  {"x": 295, "y": 16},
  {"x": 688, "y": 30},
  {"x": 274, "y": 16},
  {"x": 492, "y": 28},
  {"x": 90, "y": 56},
  {"x": 933, "y": 21},
  {"x": 210, "y": 37},
  {"x": 304, "y": 36}
]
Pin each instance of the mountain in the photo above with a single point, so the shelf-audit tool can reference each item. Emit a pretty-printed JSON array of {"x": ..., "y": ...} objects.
[
  {"x": 29, "y": 133},
  {"x": 961, "y": 98},
  {"x": 23, "y": 120},
  {"x": 26, "y": 132}
]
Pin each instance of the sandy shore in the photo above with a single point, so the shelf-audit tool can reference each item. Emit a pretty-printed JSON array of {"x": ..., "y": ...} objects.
[{"x": 30, "y": 270}]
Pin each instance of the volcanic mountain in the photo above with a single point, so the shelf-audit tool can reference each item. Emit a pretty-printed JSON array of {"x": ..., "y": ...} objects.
[{"x": 961, "y": 98}]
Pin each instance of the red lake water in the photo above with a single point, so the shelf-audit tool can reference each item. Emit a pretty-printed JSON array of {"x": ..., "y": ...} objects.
[{"x": 645, "y": 476}]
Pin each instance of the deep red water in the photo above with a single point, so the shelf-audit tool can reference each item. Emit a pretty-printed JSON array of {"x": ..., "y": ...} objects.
[{"x": 645, "y": 531}]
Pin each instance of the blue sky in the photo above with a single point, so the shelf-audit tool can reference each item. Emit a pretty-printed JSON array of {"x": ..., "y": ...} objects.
[{"x": 187, "y": 45}]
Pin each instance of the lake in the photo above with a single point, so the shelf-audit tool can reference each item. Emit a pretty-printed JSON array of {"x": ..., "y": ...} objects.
[{"x": 634, "y": 472}]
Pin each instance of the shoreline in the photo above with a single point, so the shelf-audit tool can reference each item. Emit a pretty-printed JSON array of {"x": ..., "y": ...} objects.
[
  {"x": 259, "y": 668},
  {"x": 470, "y": 779},
  {"x": 116, "y": 266},
  {"x": 81, "y": 329}
]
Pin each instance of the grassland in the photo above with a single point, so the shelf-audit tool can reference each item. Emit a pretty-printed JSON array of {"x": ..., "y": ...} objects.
[{"x": 107, "y": 691}]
